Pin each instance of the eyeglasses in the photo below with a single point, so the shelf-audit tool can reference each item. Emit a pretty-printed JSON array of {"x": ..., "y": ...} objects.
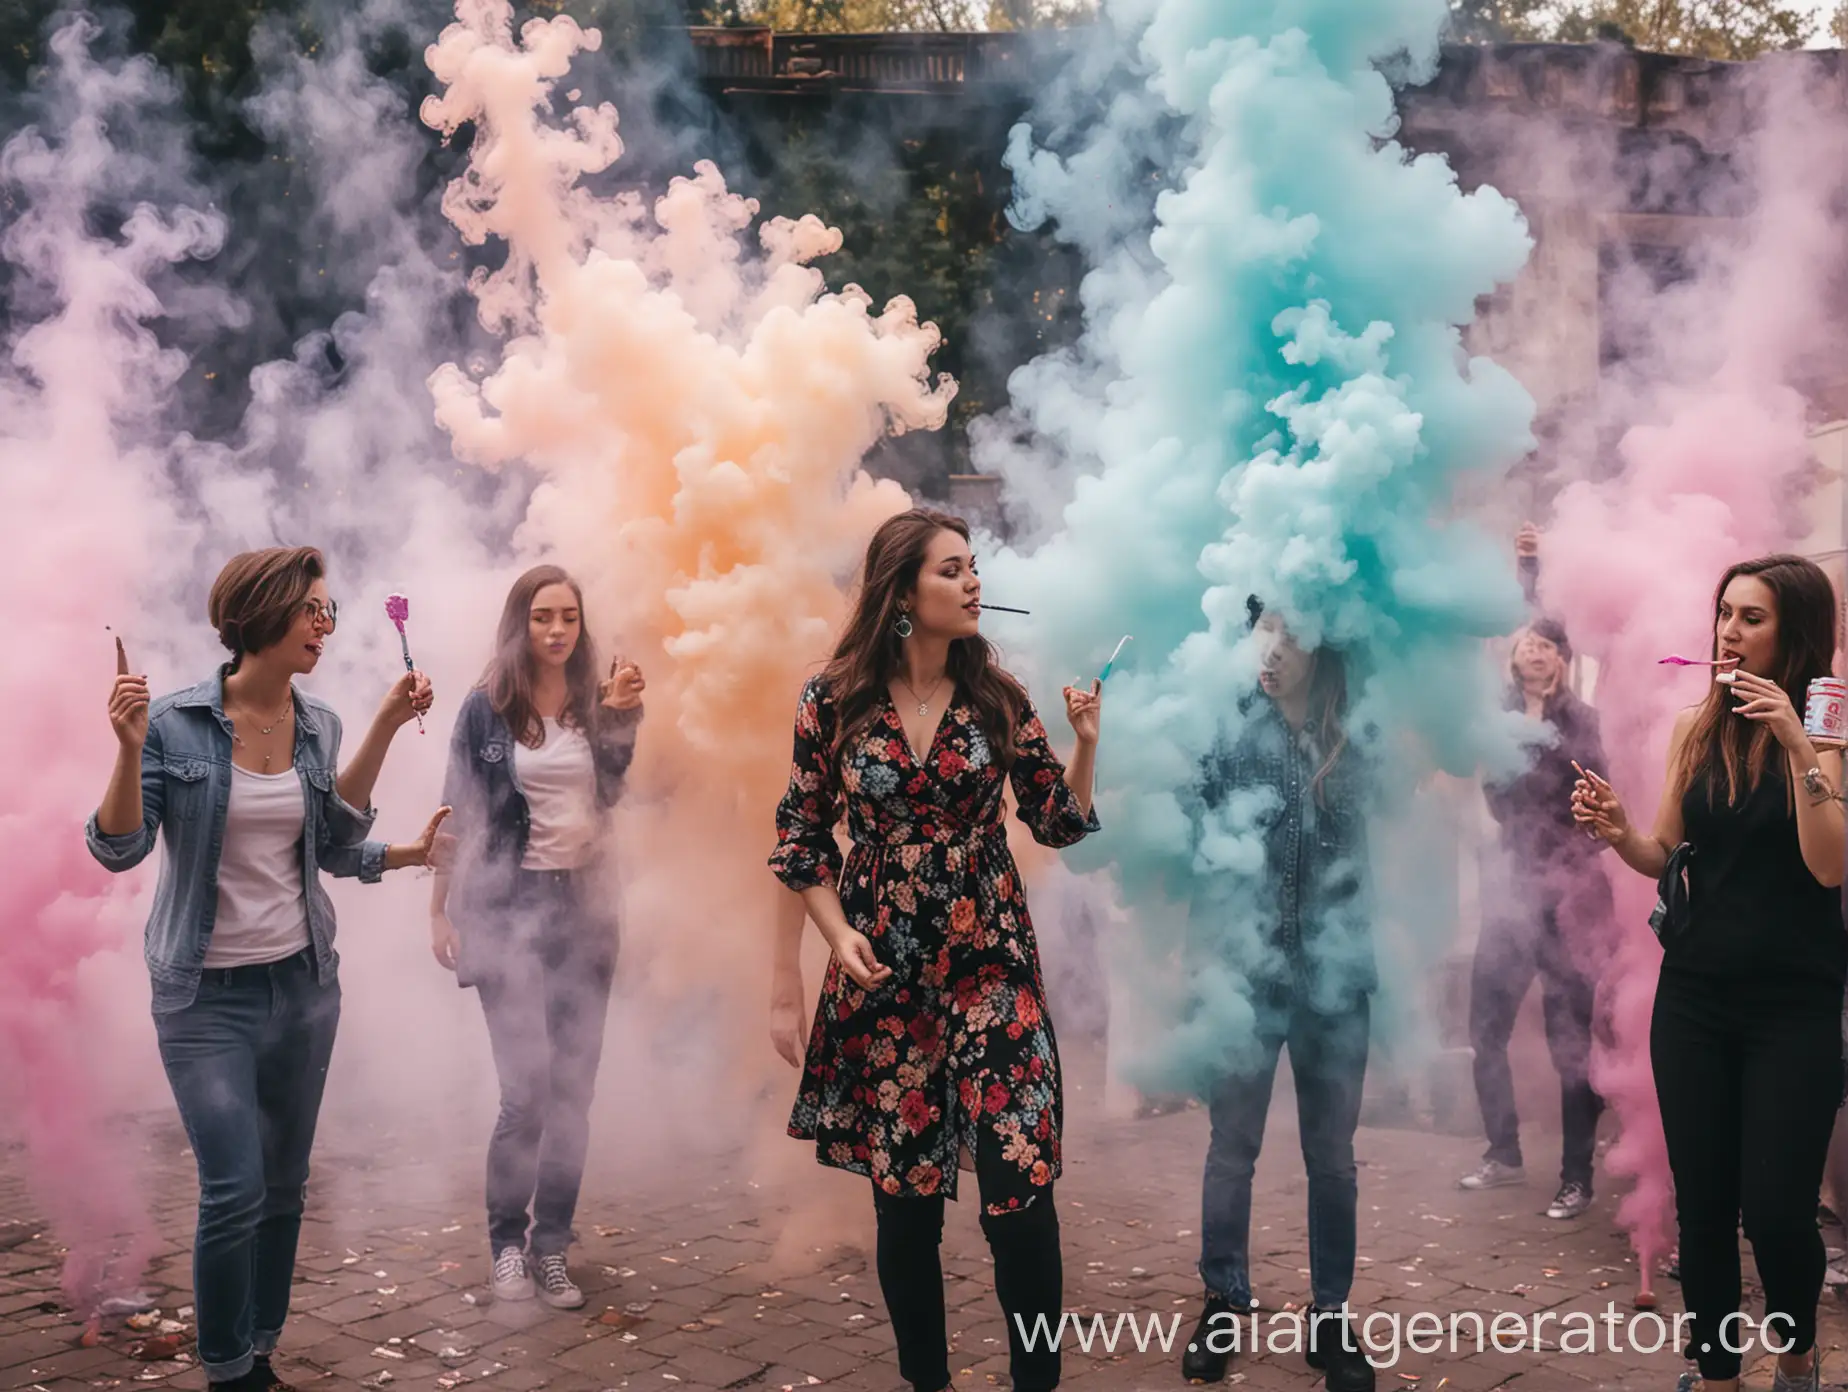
[{"x": 318, "y": 613}]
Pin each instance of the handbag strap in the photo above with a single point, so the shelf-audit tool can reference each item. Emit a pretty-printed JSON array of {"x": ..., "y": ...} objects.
[{"x": 1671, "y": 910}]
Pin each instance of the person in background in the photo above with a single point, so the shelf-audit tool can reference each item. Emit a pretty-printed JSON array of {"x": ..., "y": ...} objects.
[
  {"x": 1554, "y": 921},
  {"x": 537, "y": 761}
]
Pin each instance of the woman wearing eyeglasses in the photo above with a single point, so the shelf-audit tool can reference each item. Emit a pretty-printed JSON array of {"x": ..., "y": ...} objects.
[{"x": 239, "y": 776}]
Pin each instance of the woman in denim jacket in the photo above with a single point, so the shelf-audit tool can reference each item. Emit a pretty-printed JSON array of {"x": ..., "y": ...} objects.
[
  {"x": 239, "y": 777},
  {"x": 1292, "y": 940},
  {"x": 537, "y": 760}
]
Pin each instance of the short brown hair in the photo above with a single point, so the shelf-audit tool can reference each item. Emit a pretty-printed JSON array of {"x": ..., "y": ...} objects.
[{"x": 257, "y": 594}]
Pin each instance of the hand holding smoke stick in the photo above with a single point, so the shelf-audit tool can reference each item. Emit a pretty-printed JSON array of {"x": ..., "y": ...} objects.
[
  {"x": 398, "y": 609},
  {"x": 623, "y": 688},
  {"x": 1597, "y": 808}
]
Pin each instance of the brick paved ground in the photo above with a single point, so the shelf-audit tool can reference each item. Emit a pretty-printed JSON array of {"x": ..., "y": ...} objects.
[{"x": 698, "y": 1281}]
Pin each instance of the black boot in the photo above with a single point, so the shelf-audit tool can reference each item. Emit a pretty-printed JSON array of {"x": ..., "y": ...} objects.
[
  {"x": 1209, "y": 1351},
  {"x": 1336, "y": 1350}
]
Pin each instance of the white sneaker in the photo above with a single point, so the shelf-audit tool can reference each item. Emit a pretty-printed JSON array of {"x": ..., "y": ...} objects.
[
  {"x": 511, "y": 1280},
  {"x": 556, "y": 1287},
  {"x": 1572, "y": 1199},
  {"x": 1809, "y": 1382},
  {"x": 1492, "y": 1174}
]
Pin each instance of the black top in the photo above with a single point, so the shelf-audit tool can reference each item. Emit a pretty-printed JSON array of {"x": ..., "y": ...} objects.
[
  {"x": 1535, "y": 807},
  {"x": 1755, "y": 911}
]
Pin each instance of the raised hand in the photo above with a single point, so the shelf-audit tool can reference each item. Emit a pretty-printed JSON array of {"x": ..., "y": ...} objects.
[
  {"x": 1597, "y": 808},
  {"x": 622, "y": 689},
  {"x": 1767, "y": 703},
  {"x": 430, "y": 849},
  {"x": 1085, "y": 709},
  {"x": 128, "y": 704},
  {"x": 410, "y": 697}
]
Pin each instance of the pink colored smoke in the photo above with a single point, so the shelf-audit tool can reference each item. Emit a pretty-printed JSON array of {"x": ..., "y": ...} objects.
[
  {"x": 81, "y": 520},
  {"x": 1713, "y": 469}
]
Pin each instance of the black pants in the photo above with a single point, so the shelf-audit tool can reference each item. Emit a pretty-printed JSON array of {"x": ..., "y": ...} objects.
[
  {"x": 1029, "y": 1278},
  {"x": 546, "y": 994},
  {"x": 1748, "y": 1078},
  {"x": 1557, "y": 932}
]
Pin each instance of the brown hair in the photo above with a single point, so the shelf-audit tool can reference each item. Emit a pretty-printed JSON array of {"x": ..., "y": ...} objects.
[
  {"x": 511, "y": 673},
  {"x": 1805, "y": 604},
  {"x": 257, "y": 595},
  {"x": 868, "y": 653},
  {"x": 1328, "y": 698},
  {"x": 1327, "y": 704},
  {"x": 1518, "y": 685}
]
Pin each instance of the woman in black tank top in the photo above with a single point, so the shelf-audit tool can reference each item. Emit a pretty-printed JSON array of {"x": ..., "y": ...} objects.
[{"x": 1746, "y": 1039}]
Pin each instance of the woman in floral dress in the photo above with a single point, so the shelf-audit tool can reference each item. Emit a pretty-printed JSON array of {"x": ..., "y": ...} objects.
[{"x": 931, "y": 1043}]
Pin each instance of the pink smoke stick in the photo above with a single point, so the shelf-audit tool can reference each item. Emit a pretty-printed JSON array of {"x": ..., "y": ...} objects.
[{"x": 398, "y": 609}]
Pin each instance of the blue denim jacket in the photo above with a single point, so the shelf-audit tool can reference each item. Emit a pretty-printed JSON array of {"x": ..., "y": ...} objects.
[
  {"x": 1307, "y": 898},
  {"x": 185, "y": 791}
]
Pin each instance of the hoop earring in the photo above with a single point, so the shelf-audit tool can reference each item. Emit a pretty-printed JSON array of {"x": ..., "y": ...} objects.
[{"x": 903, "y": 627}]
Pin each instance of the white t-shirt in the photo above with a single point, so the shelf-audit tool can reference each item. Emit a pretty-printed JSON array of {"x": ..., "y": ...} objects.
[
  {"x": 559, "y": 780},
  {"x": 262, "y": 910}
]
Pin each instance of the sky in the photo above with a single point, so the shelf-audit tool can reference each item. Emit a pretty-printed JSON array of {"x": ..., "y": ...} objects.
[{"x": 1823, "y": 10}]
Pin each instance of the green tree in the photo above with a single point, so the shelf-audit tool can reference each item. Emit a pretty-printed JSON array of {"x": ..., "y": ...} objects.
[
  {"x": 1735, "y": 30},
  {"x": 1502, "y": 21}
]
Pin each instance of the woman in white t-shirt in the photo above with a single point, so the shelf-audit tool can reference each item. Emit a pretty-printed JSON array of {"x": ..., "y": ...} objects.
[
  {"x": 537, "y": 760},
  {"x": 238, "y": 779}
]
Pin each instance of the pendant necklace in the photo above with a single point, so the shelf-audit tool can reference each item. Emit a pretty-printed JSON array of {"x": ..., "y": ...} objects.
[
  {"x": 923, "y": 705},
  {"x": 281, "y": 715}
]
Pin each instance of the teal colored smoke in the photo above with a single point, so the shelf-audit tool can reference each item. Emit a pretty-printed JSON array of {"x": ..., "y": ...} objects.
[{"x": 1272, "y": 396}]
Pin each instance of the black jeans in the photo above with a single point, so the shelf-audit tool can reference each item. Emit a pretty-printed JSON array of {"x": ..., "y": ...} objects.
[
  {"x": 248, "y": 1063},
  {"x": 1559, "y": 933},
  {"x": 546, "y": 994},
  {"x": 1029, "y": 1277},
  {"x": 1748, "y": 1077}
]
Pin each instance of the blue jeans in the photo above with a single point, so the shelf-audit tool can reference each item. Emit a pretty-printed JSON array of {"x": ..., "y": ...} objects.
[
  {"x": 247, "y": 1061},
  {"x": 1328, "y": 1058},
  {"x": 544, "y": 982}
]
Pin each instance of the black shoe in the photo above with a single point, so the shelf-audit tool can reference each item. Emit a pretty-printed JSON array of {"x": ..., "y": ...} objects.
[
  {"x": 1336, "y": 1351},
  {"x": 261, "y": 1378},
  {"x": 1209, "y": 1350}
]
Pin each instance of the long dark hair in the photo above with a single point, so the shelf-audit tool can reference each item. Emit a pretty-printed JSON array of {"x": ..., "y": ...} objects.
[
  {"x": 1328, "y": 701},
  {"x": 867, "y": 655},
  {"x": 1805, "y": 604},
  {"x": 512, "y": 672}
]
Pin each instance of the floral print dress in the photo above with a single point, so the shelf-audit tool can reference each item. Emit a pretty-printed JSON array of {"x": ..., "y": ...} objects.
[{"x": 955, "y": 1048}]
